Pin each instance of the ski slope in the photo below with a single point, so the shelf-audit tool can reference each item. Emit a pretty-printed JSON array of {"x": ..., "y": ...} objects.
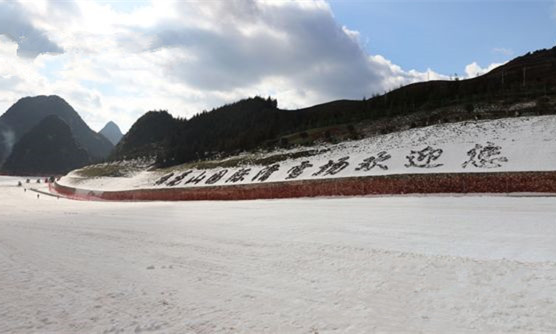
[
  {"x": 504, "y": 145},
  {"x": 327, "y": 265}
]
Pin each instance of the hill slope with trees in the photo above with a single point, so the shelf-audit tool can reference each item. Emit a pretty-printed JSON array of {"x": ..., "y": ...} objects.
[
  {"x": 48, "y": 148},
  {"x": 257, "y": 122},
  {"x": 147, "y": 137}
]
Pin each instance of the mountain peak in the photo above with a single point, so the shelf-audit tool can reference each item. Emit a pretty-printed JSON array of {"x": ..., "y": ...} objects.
[
  {"x": 48, "y": 148},
  {"x": 29, "y": 111},
  {"x": 112, "y": 132}
]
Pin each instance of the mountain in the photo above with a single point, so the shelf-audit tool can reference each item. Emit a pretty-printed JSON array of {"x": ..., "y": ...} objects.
[
  {"x": 147, "y": 136},
  {"x": 48, "y": 148},
  {"x": 30, "y": 111},
  {"x": 112, "y": 132},
  {"x": 528, "y": 82}
]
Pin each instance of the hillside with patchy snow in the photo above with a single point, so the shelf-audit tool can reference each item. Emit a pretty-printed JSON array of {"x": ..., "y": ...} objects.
[{"x": 510, "y": 144}]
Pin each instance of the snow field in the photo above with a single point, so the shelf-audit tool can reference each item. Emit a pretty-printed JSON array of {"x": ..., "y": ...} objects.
[{"x": 327, "y": 265}]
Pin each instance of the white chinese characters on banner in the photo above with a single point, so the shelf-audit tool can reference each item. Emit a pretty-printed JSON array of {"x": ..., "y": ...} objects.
[{"x": 482, "y": 156}]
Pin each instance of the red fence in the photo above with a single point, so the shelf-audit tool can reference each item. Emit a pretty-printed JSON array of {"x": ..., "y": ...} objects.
[{"x": 508, "y": 182}]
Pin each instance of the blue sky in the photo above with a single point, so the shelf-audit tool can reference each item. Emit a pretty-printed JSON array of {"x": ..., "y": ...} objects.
[
  {"x": 115, "y": 60},
  {"x": 448, "y": 35}
]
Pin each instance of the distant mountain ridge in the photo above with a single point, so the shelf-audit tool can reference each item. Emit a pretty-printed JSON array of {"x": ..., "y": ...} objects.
[
  {"x": 112, "y": 132},
  {"x": 48, "y": 148},
  {"x": 30, "y": 111}
]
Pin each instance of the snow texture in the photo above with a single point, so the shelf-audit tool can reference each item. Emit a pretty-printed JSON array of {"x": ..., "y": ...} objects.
[
  {"x": 511, "y": 144},
  {"x": 343, "y": 265}
]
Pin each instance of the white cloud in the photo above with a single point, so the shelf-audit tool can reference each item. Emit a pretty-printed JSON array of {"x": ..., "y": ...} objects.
[
  {"x": 353, "y": 34},
  {"x": 190, "y": 56},
  {"x": 30, "y": 40},
  {"x": 473, "y": 70}
]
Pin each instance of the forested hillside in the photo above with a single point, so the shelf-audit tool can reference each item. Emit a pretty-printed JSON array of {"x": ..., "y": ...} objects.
[{"x": 258, "y": 122}]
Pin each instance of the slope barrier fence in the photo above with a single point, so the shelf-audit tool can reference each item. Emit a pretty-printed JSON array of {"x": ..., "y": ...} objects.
[{"x": 503, "y": 182}]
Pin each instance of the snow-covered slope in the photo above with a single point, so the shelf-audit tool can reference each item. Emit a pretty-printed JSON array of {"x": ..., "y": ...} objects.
[
  {"x": 511, "y": 144},
  {"x": 344, "y": 265}
]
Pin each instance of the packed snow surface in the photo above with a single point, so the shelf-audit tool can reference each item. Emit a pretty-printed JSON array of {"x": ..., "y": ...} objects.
[
  {"x": 510, "y": 144},
  {"x": 342, "y": 265}
]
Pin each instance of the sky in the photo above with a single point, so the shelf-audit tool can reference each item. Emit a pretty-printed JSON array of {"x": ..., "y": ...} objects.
[{"x": 116, "y": 60}]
